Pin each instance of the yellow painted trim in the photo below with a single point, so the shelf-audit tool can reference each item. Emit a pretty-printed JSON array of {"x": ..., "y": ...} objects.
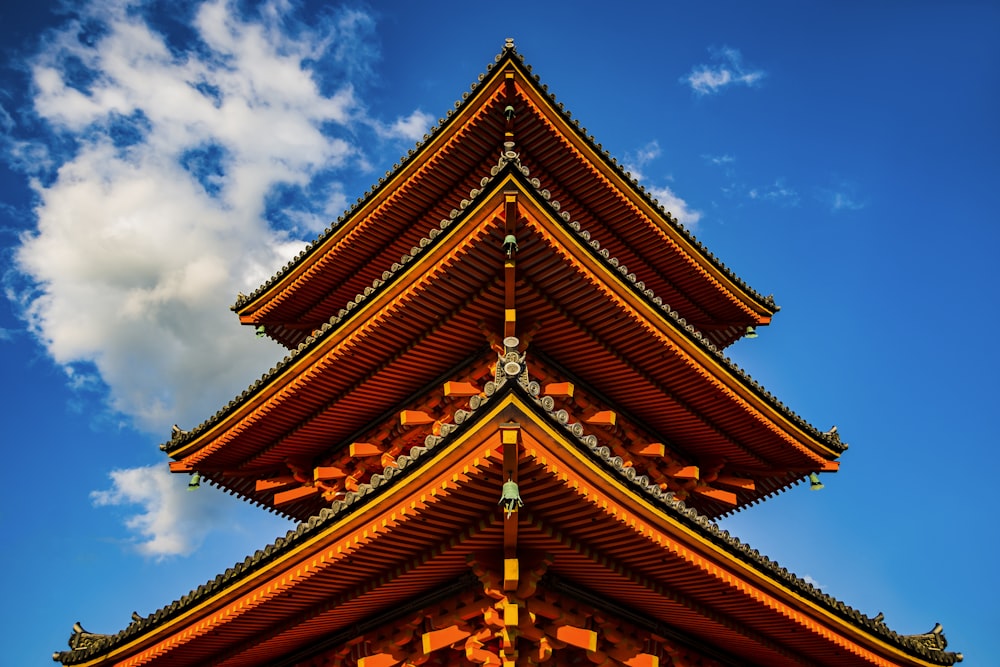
[
  {"x": 292, "y": 565},
  {"x": 365, "y": 316},
  {"x": 421, "y": 270},
  {"x": 610, "y": 488},
  {"x": 415, "y": 164},
  {"x": 629, "y": 191},
  {"x": 491, "y": 86},
  {"x": 642, "y": 311},
  {"x": 478, "y": 448}
]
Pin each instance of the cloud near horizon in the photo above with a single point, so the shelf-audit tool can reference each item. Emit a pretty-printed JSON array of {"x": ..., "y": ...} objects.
[
  {"x": 727, "y": 70},
  {"x": 156, "y": 178}
]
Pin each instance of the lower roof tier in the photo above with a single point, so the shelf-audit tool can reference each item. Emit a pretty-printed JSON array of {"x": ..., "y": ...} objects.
[{"x": 577, "y": 536}]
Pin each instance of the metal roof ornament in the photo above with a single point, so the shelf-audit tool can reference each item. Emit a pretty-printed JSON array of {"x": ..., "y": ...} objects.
[
  {"x": 510, "y": 497},
  {"x": 814, "y": 483},
  {"x": 510, "y": 245},
  {"x": 81, "y": 640}
]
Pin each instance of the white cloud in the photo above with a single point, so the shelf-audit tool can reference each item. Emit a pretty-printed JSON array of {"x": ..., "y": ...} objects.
[
  {"x": 158, "y": 212},
  {"x": 676, "y": 206},
  {"x": 636, "y": 162},
  {"x": 778, "y": 193},
  {"x": 844, "y": 201},
  {"x": 171, "y": 520},
  {"x": 410, "y": 128},
  {"x": 718, "y": 160},
  {"x": 727, "y": 70},
  {"x": 157, "y": 218},
  {"x": 843, "y": 197},
  {"x": 6, "y": 121}
]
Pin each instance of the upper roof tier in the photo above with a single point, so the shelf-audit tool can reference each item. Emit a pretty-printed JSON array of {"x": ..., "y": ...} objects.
[
  {"x": 432, "y": 315},
  {"x": 508, "y": 110}
]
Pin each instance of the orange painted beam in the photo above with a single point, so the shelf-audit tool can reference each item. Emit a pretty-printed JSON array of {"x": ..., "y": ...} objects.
[
  {"x": 378, "y": 660},
  {"x": 683, "y": 472},
  {"x": 298, "y": 493},
  {"x": 642, "y": 660},
  {"x": 415, "y": 418},
  {"x": 579, "y": 637},
  {"x": 274, "y": 483},
  {"x": 435, "y": 639},
  {"x": 603, "y": 418},
  {"x": 362, "y": 449},
  {"x": 727, "y": 497},
  {"x": 560, "y": 389},
  {"x": 649, "y": 449},
  {"x": 736, "y": 482},
  {"x": 460, "y": 389},
  {"x": 324, "y": 473}
]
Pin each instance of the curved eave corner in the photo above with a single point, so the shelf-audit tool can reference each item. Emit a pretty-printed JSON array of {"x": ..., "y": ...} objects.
[
  {"x": 827, "y": 447},
  {"x": 763, "y": 308},
  {"x": 575, "y": 449},
  {"x": 760, "y": 308},
  {"x": 247, "y": 306}
]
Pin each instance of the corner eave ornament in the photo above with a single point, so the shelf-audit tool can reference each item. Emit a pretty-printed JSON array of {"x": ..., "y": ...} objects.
[{"x": 510, "y": 497}]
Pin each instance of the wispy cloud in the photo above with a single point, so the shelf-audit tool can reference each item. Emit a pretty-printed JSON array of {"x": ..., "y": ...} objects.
[
  {"x": 676, "y": 206},
  {"x": 637, "y": 161},
  {"x": 718, "y": 160},
  {"x": 170, "y": 175},
  {"x": 843, "y": 196},
  {"x": 778, "y": 192},
  {"x": 727, "y": 69},
  {"x": 411, "y": 128},
  {"x": 165, "y": 518}
]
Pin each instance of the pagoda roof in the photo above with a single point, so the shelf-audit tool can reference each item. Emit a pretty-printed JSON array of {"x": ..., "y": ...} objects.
[
  {"x": 413, "y": 528},
  {"x": 428, "y": 183},
  {"x": 424, "y": 318}
]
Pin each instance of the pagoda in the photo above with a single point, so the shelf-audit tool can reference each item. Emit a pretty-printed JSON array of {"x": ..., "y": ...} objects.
[{"x": 506, "y": 423}]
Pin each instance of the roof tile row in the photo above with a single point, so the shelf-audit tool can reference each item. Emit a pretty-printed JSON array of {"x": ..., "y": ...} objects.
[{"x": 929, "y": 646}]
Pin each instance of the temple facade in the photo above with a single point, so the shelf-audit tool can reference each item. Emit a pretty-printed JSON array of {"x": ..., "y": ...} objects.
[{"x": 506, "y": 423}]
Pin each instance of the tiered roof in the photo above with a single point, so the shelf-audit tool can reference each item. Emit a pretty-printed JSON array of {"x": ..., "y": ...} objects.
[
  {"x": 409, "y": 287},
  {"x": 406, "y": 403},
  {"x": 610, "y": 538}
]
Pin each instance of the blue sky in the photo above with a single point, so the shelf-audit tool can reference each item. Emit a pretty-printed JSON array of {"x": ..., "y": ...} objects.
[{"x": 843, "y": 156}]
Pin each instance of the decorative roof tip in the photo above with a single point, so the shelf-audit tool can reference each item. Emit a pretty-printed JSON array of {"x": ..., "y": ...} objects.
[{"x": 508, "y": 44}]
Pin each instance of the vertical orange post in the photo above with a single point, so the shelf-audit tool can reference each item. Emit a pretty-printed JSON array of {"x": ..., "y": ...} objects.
[
  {"x": 509, "y": 264},
  {"x": 510, "y": 434}
]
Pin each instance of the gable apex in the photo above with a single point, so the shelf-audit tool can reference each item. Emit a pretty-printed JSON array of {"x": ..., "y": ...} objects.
[{"x": 431, "y": 181}]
